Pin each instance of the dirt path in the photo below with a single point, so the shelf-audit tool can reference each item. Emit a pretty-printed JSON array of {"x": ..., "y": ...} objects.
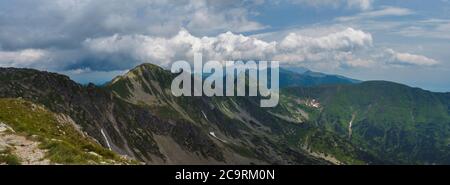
[{"x": 26, "y": 150}]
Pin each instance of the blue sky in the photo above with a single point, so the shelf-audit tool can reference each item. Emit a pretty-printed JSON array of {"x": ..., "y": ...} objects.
[{"x": 405, "y": 41}]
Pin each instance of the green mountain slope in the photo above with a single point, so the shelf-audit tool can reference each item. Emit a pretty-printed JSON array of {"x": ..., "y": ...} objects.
[
  {"x": 394, "y": 122},
  {"x": 237, "y": 122},
  {"x": 34, "y": 135}
]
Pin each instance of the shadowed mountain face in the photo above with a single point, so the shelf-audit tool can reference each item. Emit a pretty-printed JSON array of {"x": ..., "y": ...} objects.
[{"x": 357, "y": 123}]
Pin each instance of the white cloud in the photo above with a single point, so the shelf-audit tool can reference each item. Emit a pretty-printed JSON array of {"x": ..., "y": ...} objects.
[
  {"x": 345, "y": 40},
  {"x": 329, "y": 50},
  {"x": 23, "y": 58},
  {"x": 359, "y": 4},
  {"x": 162, "y": 51},
  {"x": 65, "y": 23},
  {"x": 386, "y": 11},
  {"x": 294, "y": 48},
  {"x": 410, "y": 59},
  {"x": 345, "y": 48},
  {"x": 428, "y": 28},
  {"x": 362, "y": 4},
  {"x": 360, "y": 63}
]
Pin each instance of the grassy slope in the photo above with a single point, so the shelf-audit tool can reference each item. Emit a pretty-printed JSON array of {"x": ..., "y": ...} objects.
[
  {"x": 7, "y": 157},
  {"x": 391, "y": 121},
  {"x": 64, "y": 144}
]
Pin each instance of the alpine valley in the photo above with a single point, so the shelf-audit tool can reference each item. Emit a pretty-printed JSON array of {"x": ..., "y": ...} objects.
[{"x": 46, "y": 118}]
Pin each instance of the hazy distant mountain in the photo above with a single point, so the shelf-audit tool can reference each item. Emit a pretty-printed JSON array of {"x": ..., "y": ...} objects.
[
  {"x": 299, "y": 70},
  {"x": 306, "y": 78}
]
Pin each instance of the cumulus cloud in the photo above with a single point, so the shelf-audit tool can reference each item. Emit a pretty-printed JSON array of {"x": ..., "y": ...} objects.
[
  {"x": 226, "y": 46},
  {"x": 409, "y": 59},
  {"x": 345, "y": 48},
  {"x": 84, "y": 36},
  {"x": 23, "y": 58},
  {"x": 297, "y": 48},
  {"x": 94, "y": 40},
  {"x": 343, "y": 40},
  {"x": 341, "y": 49},
  {"x": 65, "y": 23},
  {"x": 142, "y": 48}
]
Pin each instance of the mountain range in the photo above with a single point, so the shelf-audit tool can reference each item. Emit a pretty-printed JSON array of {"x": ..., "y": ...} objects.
[{"x": 321, "y": 119}]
